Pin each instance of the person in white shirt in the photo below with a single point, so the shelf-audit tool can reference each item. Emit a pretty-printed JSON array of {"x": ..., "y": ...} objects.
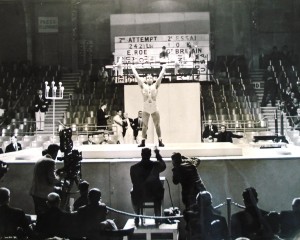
[
  {"x": 127, "y": 129},
  {"x": 118, "y": 126}
]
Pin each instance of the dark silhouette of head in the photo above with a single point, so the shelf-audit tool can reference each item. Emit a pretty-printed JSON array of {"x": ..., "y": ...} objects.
[
  {"x": 83, "y": 187},
  {"x": 250, "y": 197},
  {"x": 176, "y": 159},
  {"x": 146, "y": 153},
  {"x": 296, "y": 205},
  {"x": 52, "y": 150},
  {"x": 204, "y": 199},
  {"x": 4, "y": 196},
  {"x": 53, "y": 200},
  {"x": 94, "y": 196}
]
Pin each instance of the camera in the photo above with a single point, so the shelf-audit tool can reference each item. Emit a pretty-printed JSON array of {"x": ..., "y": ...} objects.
[
  {"x": 3, "y": 169},
  {"x": 193, "y": 160},
  {"x": 72, "y": 157},
  {"x": 171, "y": 212}
]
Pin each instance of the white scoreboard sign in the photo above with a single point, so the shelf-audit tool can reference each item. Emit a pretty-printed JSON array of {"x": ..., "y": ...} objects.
[{"x": 146, "y": 49}]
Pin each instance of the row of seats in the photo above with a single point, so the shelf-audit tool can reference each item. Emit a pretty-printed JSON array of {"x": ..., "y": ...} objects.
[{"x": 44, "y": 141}]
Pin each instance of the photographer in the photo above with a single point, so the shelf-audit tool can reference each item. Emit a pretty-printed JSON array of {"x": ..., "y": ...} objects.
[
  {"x": 185, "y": 172},
  {"x": 44, "y": 178}
]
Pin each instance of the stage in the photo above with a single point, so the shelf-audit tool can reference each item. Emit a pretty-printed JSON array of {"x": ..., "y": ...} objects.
[
  {"x": 205, "y": 151},
  {"x": 117, "y": 151}
]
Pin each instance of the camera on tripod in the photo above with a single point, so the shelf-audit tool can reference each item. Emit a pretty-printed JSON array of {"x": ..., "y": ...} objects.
[{"x": 72, "y": 157}]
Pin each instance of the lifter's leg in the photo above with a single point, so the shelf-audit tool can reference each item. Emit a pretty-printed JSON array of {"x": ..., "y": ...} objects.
[
  {"x": 145, "y": 119},
  {"x": 156, "y": 121}
]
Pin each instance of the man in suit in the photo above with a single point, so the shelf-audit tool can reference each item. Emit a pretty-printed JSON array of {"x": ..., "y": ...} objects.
[
  {"x": 83, "y": 198},
  {"x": 202, "y": 221},
  {"x": 146, "y": 183},
  {"x": 102, "y": 116},
  {"x": 44, "y": 178},
  {"x": 54, "y": 221},
  {"x": 1, "y": 151},
  {"x": 90, "y": 215},
  {"x": 13, "y": 146},
  {"x": 106, "y": 139},
  {"x": 137, "y": 127},
  {"x": 210, "y": 131},
  {"x": 13, "y": 221},
  {"x": 40, "y": 109},
  {"x": 290, "y": 221},
  {"x": 226, "y": 136},
  {"x": 252, "y": 222},
  {"x": 89, "y": 141}
]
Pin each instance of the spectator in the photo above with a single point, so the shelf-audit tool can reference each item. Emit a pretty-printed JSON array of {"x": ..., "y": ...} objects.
[
  {"x": 102, "y": 75},
  {"x": 293, "y": 106},
  {"x": 137, "y": 127},
  {"x": 290, "y": 221},
  {"x": 89, "y": 141},
  {"x": 185, "y": 172},
  {"x": 146, "y": 182},
  {"x": 13, "y": 221},
  {"x": 296, "y": 120},
  {"x": 251, "y": 222},
  {"x": 102, "y": 116},
  {"x": 127, "y": 129},
  {"x": 40, "y": 109},
  {"x": 83, "y": 199},
  {"x": 44, "y": 178},
  {"x": 106, "y": 139},
  {"x": 287, "y": 94},
  {"x": 203, "y": 223},
  {"x": 226, "y": 136},
  {"x": 53, "y": 222},
  {"x": 91, "y": 215},
  {"x": 269, "y": 88},
  {"x": 210, "y": 131},
  {"x": 14, "y": 145},
  {"x": 118, "y": 126}
]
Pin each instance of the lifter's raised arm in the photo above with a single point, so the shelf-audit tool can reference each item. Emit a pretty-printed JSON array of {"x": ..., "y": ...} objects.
[
  {"x": 136, "y": 75},
  {"x": 161, "y": 75}
]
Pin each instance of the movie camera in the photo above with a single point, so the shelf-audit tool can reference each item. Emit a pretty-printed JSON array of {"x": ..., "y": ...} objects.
[
  {"x": 72, "y": 157},
  {"x": 193, "y": 160},
  {"x": 71, "y": 171}
]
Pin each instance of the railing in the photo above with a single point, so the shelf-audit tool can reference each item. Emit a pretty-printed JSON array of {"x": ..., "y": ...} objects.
[
  {"x": 242, "y": 125},
  {"x": 23, "y": 128}
]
